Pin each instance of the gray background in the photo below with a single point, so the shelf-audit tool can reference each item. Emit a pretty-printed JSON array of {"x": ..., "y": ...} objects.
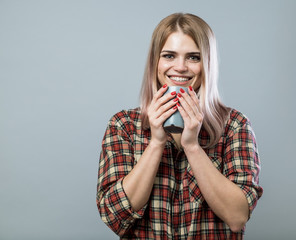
[{"x": 67, "y": 66}]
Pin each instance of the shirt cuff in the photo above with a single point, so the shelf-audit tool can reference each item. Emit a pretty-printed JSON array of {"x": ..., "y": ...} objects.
[
  {"x": 121, "y": 207},
  {"x": 251, "y": 196}
]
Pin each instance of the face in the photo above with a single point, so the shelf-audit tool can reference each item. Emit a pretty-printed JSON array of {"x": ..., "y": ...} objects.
[{"x": 179, "y": 63}]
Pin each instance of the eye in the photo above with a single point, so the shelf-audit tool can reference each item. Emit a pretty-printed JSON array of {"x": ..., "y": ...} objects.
[
  {"x": 167, "y": 56},
  {"x": 194, "y": 58}
]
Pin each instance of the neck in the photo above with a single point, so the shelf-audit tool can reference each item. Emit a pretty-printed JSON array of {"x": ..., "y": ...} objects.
[{"x": 177, "y": 138}]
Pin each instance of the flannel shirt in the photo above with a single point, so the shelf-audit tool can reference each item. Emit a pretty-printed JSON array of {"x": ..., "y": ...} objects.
[{"x": 176, "y": 208}]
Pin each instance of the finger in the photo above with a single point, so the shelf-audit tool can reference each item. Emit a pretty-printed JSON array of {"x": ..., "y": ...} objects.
[
  {"x": 165, "y": 115},
  {"x": 188, "y": 104},
  {"x": 159, "y": 93},
  {"x": 194, "y": 96},
  {"x": 192, "y": 101},
  {"x": 183, "y": 113},
  {"x": 193, "y": 109},
  {"x": 190, "y": 120},
  {"x": 165, "y": 107},
  {"x": 163, "y": 100},
  {"x": 161, "y": 103}
]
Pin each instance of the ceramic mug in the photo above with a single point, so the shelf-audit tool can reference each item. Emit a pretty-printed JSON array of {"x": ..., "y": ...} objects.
[{"x": 175, "y": 123}]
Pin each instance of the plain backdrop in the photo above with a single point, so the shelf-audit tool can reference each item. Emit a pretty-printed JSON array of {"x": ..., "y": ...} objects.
[{"x": 67, "y": 66}]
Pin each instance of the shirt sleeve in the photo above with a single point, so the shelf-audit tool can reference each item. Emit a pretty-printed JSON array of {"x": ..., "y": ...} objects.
[
  {"x": 116, "y": 161},
  {"x": 242, "y": 163}
]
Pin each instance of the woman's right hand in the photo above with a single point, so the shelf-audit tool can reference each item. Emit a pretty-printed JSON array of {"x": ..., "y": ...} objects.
[{"x": 161, "y": 108}]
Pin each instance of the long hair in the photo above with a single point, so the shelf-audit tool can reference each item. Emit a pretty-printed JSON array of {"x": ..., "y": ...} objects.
[{"x": 215, "y": 112}]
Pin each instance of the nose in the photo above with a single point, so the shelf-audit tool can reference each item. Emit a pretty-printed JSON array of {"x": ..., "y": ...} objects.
[{"x": 180, "y": 65}]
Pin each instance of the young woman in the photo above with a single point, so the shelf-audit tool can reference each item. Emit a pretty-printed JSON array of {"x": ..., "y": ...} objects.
[{"x": 198, "y": 184}]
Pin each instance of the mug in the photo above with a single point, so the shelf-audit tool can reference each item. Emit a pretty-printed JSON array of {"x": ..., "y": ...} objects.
[{"x": 175, "y": 123}]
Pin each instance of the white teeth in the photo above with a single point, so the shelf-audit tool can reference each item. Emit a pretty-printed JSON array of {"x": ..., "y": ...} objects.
[{"x": 179, "y": 79}]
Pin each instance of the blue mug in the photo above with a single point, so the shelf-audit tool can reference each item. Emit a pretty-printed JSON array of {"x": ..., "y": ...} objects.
[{"x": 175, "y": 123}]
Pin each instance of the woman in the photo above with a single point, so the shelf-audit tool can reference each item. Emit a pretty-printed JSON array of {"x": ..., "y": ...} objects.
[{"x": 200, "y": 184}]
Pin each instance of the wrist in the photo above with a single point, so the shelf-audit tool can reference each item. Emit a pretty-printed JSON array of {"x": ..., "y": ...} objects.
[
  {"x": 156, "y": 144},
  {"x": 194, "y": 148}
]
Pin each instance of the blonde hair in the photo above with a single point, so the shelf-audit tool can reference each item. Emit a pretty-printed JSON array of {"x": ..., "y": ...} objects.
[{"x": 215, "y": 112}]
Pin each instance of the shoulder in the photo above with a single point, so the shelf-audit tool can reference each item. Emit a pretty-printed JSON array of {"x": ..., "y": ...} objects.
[
  {"x": 126, "y": 119},
  {"x": 236, "y": 121}
]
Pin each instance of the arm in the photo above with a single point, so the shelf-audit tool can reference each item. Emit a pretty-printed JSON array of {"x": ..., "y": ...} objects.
[
  {"x": 124, "y": 189},
  {"x": 116, "y": 161},
  {"x": 139, "y": 182},
  {"x": 227, "y": 194},
  {"x": 224, "y": 197}
]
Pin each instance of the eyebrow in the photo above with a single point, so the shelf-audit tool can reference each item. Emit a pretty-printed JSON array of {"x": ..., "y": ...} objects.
[{"x": 169, "y": 51}]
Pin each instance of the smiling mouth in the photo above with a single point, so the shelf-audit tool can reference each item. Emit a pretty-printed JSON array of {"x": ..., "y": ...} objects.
[{"x": 180, "y": 79}]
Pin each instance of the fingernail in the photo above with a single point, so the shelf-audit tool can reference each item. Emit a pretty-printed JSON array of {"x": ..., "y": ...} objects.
[
  {"x": 173, "y": 93},
  {"x": 182, "y": 90},
  {"x": 178, "y": 104},
  {"x": 164, "y": 86},
  {"x": 179, "y": 95},
  {"x": 175, "y": 107},
  {"x": 176, "y": 99},
  {"x": 190, "y": 88}
]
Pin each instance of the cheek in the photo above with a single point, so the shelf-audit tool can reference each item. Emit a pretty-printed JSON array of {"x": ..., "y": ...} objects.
[
  {"x": 198, "y": 73},
  {"x": 162, "y": 66},
  {"x": 197, "y": 70},
  {"x": 159, "y": 71}
]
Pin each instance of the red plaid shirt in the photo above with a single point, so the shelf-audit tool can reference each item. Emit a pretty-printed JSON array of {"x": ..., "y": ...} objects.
[{"x": 176, "y": 208}]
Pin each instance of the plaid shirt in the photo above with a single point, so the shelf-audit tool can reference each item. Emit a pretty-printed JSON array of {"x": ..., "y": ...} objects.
[{"x": 176, "y": 208}]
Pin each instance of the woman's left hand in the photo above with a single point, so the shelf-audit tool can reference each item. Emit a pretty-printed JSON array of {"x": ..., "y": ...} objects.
[{"x": 192, "y": 115}]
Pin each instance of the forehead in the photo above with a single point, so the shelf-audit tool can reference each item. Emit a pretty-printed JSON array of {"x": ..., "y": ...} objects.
[{"x": 180, "y": 42}]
